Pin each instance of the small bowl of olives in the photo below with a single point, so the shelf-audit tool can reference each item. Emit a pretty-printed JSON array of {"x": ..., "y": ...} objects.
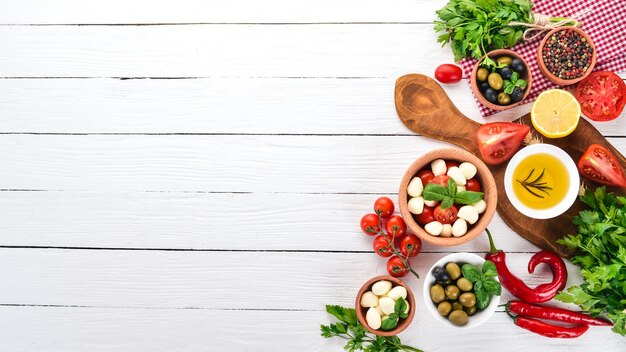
[
  {"x": 450, "y": 297},
  {"x": 501, "y": 79}
]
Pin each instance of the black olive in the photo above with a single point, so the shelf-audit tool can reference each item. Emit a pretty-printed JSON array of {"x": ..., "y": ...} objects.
[
  {"x": 483, "y": 86},
  {"x": 505, "y": 72},
  {"x": 517, "y": 94},
  {"x": 518, "y": 66},
  {"x": 491, "y": 95},
  {"x": 441, "y": 275}
]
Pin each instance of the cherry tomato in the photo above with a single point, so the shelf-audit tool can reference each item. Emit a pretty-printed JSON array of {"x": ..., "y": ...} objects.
[
  {"x": 472, "y": 185},
  {"x": 369, "y": 224},
  {"x": 410, "y": 245},
  {"x": 498, "y": 141},
  {"x": 448, "y": 73},
  {"x": 395, "y": 226},
  {"x": 382, "y": 247},
  {"x": 440, "y": 180},
  {"x": 602, "y": 96},
  {"x": 396, "y": 268},
  {"x": 450, "y": 163},
  {"x": 599, "y": 165},
  {"x": 383, "y": 207},
  {"x": 426, "y": 216},
  {"x": 426, "y": 175},
  {"x": 446, "y": 216}
]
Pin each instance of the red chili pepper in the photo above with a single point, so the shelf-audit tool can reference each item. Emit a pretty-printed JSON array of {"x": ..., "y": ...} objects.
[
  {"x": 557, "y": 314},
  {"x": 549, "y": 330},
  {"x": 517, "y": 287}
]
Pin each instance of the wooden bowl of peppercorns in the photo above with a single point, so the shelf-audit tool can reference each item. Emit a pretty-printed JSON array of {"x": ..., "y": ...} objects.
[{"x": 566, "y": 55}]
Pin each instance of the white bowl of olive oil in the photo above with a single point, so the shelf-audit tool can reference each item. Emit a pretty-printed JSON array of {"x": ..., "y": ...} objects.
[{"x": 541, "y": 181}]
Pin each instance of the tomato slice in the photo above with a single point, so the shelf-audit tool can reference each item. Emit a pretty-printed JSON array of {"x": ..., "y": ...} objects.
[
  {"x": 498, "y": 141},
  {"x": 441, "y": 180},
  {"x": 446, "y": 216},
  {"x": 602, "y": 96},
  {"x": 599, "y": 165}
]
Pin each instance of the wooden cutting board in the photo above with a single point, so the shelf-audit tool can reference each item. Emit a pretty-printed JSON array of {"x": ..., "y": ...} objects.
[{"x": 425, "y": 108}]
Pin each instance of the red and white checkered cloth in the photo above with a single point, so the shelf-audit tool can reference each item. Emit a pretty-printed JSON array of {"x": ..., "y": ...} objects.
[{"x": 605, "y": 24}]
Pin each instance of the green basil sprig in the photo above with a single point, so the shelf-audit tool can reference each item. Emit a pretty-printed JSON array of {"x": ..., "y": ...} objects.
[
  {"x": 485, "y": 285},
  {"x": 448, "y": 195}
]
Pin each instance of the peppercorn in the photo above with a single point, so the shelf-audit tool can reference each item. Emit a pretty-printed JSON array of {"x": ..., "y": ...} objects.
[{"x": 567, "y": 54}]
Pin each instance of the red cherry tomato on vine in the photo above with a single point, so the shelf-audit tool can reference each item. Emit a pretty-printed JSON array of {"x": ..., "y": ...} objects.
[
  {"x": 440, "y": 180},
  {"x": 395, "y": 226},
  {"x": 396, "y": 268},
  {"x": 382, "y": 247},
  {"x": 448, "y": 73},
  {"x": 426, "y": 175},
  {"x": 446, "y": 216},
  {"x": 383, "y": 207},
  {"x": 472, "y": 185},
  {"x": 410, "y": 245},
  {"x": 426, "y": 216},
  {"x": 369, "y": 224}
]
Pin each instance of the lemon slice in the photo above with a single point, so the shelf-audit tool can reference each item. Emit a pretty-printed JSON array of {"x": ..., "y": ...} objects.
[{"x": 555, "y": 113}]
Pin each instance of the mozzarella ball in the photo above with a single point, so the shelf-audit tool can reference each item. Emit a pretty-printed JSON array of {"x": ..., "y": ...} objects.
[
  {"x": 373, "y": 318},
  {"x": 397, "y": 292},
  {"x": 415, "y": 187},
  {"x": 381, "y": 287},
  {"x": 387, "y": 305},
  {"x": 468, "y": 213},
  {"x": 431, "y": 203},
  {"x": 434, "y": 228},
  {"x": 369, "y": 299},
  {"x": 446, "y": 231},
  {"x": 459, "y": 228},
  {"x": 460, "y": 189},
  {"x": 438, "y": 167},
  {"x": 456, "y": 174},
  {"x": 468, "y": 170},
  {"x": 416, "y": 205},
  {"x": 480, "y": 206}
]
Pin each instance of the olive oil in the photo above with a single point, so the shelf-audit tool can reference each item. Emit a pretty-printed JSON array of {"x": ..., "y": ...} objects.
[{"x": 540, "y": 181}]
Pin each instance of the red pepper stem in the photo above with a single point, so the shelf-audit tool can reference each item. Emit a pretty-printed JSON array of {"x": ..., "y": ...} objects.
[{"x": 492, "y": 246}]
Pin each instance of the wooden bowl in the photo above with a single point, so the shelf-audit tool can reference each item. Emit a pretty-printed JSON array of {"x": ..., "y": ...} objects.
[
  {"x": 361, "y": 311},
  {"x": 494, "y": 54},
  {"x": 488, "y": 185},
  {"x": 550, "y": 75}
]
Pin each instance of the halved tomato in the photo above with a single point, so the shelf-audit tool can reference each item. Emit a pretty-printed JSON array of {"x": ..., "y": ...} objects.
[
  {"x": 441, "y": 180},
  {"x": 498, "y": 141},
  {"x": 599, "y": 165},
  {"x": 602, "y": 96}
]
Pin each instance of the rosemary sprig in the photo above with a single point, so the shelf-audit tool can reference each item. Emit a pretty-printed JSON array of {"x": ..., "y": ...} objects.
[{"x": 535, "y": 184}]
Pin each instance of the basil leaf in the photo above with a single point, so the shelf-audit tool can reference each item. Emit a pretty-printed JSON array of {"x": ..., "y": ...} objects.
[
  {"x": 467, "y": 197},
  {"x": 482, "y": 299},
  {"x": 492, "y": 286},
  {"x": 390, "y": 323},
  {"x": 470, "y": 272},
  {"x": 434, "y": 192},
  {"x": 508, "y": 87},
  {"x": 478, "y": 285},
  {"x": 451, "y": 188},
  {"x": 514, "y": 77},
  {"x": 447, "y": 202},
  {"x": 489, "y": 268},
  {"x": 400, "y": 306},
  {"x": 521, "y": 83}
]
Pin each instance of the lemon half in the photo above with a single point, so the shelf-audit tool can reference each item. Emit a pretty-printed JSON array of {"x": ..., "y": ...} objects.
[{"x": 555, "y": 113}]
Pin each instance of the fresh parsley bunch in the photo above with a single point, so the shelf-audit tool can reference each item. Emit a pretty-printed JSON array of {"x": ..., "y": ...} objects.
[
  {"x": 358, "y": 338},
  {"x": 475, "y": 27},
  {"x": 601, "y": 255}
]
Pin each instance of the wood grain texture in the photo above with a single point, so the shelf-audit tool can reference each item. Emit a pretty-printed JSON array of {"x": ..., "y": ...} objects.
[
  {"x": 425, "y": 108},
  {"x": 130, "y": 330}
]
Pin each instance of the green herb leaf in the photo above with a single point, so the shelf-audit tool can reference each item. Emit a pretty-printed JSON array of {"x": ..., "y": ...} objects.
[
  {"x": 521, "y": 83},
  {"x": 489, "y": 268},
  {"x": 482, "y": 299},
  {"x": 346, "y": 315},
  {"x": 447, "y": 202},
  {"x": 451, "y": 188},
  {"x": 492, "y": 286},
  {"x": 470, "y": 272},
  {"x": 400, "y": 307},
  {"x": 390, "y": 323},
  {"x": 434, "y": 192},
  {"x": 508, "y": 87},
  {"x": 468, "y": 197}
]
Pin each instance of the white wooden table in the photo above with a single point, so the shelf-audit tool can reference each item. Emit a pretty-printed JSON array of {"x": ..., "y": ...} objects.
[{"x": 189, "y": 175}]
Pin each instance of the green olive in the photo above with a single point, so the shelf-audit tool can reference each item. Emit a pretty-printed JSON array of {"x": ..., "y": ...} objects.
[
  {"x": 437, "y": 294},
  {"x": 482, "y": 74},
  {"x": 444, "y": 308},
  {"x": 456, "y": 305},
  {"x": 470, "y": 310},
  {"x": 464, "y": 284},
  {"x": 495, "y": 80},
  {"x": 504, "y": 99},
  {"x": 468, "y": 299},
  {"x": 504, "y": 60},
  {"x": 452, "y": 292},
  {"x": 453, "y": 270},
  {"x": 458, "y": 317}
]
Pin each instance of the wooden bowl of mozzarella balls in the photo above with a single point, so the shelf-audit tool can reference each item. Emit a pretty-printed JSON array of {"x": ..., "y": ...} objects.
[{"x": 447, "y": 197}]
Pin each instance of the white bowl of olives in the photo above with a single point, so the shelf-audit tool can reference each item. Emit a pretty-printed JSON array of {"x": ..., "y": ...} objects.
[{"x": 450, "y": 295}]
